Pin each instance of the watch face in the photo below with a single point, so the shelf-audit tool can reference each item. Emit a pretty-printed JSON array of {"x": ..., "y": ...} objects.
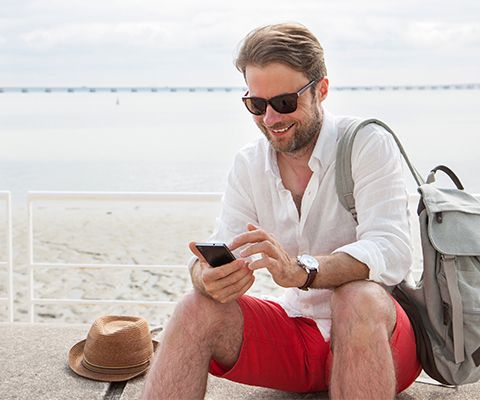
[{"x": 309, "y": 261}]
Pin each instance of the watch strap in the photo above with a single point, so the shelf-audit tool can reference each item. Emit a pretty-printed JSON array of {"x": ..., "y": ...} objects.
[{"x": 310, "y": 277}]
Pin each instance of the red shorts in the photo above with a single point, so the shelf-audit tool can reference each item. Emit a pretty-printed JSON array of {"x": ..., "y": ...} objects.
[{"x": 290, "y": 354}]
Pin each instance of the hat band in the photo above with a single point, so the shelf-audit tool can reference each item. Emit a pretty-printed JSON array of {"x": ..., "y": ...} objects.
[{"x": 115, "y": 370}]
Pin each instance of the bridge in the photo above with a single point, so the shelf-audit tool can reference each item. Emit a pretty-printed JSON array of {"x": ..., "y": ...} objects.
[{"x": 203, "y": 89}]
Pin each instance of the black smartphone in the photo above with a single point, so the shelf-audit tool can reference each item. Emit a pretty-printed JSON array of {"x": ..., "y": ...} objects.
[{"x": 216, "y": 254}]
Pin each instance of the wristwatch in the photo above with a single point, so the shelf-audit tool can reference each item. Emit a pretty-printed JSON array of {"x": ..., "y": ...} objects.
[{"x": 310, "y": 265}]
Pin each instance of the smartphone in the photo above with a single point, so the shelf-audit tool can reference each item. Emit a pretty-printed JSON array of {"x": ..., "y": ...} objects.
[{"x": 216, "y": 254}]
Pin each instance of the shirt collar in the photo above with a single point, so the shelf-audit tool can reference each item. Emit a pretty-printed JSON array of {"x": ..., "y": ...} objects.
[
  {"x": 323, "y": 153},
  {"x": 325, "y": 148},
  {"x": 271, "y": 164}
]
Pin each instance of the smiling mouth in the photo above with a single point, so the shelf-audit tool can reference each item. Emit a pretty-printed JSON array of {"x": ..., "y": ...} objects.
[{"x": 282, "y": 131}]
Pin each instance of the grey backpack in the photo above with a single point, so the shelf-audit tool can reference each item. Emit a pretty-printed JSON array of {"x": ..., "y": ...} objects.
[{"x": 444, "y": 305}]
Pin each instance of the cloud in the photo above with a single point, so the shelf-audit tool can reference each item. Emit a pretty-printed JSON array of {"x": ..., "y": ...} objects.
[
  {"x": 99, "y": 34},
  {"x": 392, "y": 33},
  {"x": 207, "y": 30},
  {"x": 433, "y": 34},
  {"x": 189, "y": 39}
]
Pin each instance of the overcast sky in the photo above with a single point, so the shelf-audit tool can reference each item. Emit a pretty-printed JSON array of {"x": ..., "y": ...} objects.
[{"x": 188, "y": 42}]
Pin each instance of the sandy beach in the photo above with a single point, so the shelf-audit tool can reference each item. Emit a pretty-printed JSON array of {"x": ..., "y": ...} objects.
[{"x": 108, "y": 233}]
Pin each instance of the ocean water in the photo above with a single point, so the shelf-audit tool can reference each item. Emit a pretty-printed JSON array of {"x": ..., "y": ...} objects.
[{"x": 186, "y": 141}]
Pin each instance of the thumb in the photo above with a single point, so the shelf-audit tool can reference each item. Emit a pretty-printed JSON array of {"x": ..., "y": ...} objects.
[
  {"x": 195, "y": 251},
  {"x": 251, "y": 227}
]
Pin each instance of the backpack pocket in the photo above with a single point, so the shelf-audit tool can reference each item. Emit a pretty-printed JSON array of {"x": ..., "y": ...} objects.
[{"x": 468, "y": 276}]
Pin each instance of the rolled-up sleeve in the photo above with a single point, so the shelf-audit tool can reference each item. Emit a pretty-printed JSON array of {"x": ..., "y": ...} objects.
[{"x": 383, "y": 231}]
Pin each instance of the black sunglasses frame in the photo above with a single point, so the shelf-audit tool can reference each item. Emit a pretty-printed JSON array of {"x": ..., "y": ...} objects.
[{"x": 278, "y": 103}]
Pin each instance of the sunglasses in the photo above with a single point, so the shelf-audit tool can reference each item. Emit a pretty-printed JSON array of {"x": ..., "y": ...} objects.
[{"x": 283, "y": 104}]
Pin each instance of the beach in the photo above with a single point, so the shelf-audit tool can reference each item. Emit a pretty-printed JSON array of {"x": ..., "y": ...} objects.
[{"x": 110, "y": 233}]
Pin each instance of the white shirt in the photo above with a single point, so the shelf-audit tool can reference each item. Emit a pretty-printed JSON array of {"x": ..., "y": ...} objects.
[{"x": 381, "y": 240}]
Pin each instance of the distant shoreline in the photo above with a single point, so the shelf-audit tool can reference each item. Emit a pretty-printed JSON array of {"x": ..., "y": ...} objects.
[{"x": 203, "y": 89}]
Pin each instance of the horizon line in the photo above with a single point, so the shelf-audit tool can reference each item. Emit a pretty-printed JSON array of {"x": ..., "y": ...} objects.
[{"x": 193, "y": 89}]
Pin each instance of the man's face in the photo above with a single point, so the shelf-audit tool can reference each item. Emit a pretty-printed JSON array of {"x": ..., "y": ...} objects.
[{"x": 287, "y": 133}]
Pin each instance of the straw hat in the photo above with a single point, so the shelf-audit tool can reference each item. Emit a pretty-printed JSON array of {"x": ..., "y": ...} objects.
[{"x": 117, "y": 348}]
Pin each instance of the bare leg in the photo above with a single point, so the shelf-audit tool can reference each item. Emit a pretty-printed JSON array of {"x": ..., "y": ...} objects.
[
  {"x": 363, "y": 316},
  {"x": 199, "y": 329}
]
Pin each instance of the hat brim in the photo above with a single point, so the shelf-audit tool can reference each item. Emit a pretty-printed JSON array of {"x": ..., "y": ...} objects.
[{"x": 75, "y": 357}]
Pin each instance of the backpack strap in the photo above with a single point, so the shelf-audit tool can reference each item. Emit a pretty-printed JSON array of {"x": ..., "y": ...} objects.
[
  {"x": 343, "y": 170},
  {"x": 457, "y": 307}
]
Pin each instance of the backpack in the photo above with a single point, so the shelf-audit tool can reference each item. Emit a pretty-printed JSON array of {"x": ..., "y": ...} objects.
[{"x": 444, "y": 305}]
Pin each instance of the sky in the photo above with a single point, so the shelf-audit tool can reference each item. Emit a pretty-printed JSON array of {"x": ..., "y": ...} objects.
[{"x": 193, "y": 43}]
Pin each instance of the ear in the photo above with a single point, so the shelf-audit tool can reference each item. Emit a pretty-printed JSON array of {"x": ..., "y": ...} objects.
[{"x": 322, "y": 89}]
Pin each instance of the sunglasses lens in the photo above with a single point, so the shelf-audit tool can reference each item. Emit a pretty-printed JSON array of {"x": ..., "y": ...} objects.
[
  {"x": 285, "y": 103},
  {"x": 255, "y": 105}
]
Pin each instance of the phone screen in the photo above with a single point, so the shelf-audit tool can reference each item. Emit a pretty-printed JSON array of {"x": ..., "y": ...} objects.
[{"x": 216, "y": 254}]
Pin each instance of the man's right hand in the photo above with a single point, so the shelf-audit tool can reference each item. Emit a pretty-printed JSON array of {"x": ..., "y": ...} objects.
[{"x": 225, "y": 283}]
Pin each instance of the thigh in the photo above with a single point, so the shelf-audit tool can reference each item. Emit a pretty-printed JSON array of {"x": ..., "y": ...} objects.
[
  {"x": 277, "y": 351},
  {"x": 403, "y": 347}
]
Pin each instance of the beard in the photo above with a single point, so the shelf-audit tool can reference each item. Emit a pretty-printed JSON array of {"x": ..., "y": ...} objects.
[{"x": 306, "y": 132}]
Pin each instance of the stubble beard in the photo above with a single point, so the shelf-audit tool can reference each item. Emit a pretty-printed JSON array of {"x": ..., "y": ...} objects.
[{"x": 304, "y": 138}]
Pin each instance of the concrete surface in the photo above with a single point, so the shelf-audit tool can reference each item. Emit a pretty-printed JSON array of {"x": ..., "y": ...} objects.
[
  {"x": 220, "y": 389},
  {"x": 33, "y": 361}
]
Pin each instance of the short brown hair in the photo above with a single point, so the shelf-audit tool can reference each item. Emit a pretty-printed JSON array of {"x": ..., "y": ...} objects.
[{"x": 289, "y": 43}]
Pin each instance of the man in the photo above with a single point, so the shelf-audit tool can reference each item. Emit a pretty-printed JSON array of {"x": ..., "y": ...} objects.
[{"x": 336, "y": 327}]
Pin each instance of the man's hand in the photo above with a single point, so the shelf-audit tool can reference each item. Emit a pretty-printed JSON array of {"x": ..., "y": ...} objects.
[
  {"x": 283, "y": 268},
  {"x": 225, "y": 283}
]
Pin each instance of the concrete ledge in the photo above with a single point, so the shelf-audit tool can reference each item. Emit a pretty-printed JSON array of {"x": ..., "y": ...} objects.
[
  {"x": 34, "y": 363},
  {"x": 34, "y": 366},
  {"x": 220, "y": 389}
]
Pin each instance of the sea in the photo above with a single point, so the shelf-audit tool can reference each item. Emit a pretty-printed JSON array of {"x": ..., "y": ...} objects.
[{"x": 185, "y": 141}]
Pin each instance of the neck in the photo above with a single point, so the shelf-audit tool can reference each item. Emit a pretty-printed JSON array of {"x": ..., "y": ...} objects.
[
  {"x": 294, "y": 170},
  {"x": 295, "y": 174},
  {"x": 298, "y": 159},
  {"x": 295, "y": 162}
]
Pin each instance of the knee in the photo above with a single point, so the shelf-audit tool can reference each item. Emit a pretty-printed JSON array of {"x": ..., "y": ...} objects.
[
  {"x": 362, "y": 303},
  {"x": 194, "y": 306},
  {"x": 198, "y": 312}
]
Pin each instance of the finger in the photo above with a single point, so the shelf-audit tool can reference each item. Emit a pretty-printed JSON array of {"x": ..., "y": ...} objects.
[
  {"x": 254, "y": 236},
  {"x": 251, "y": 227},
  {"x": 265, "y": 247},
  {"x": 263, "y": 262},
  {"x": 223, "y": 292},
  {"x": 195, "y": 251},
  {"x": 226, "y": 269},
  {"x": 215, "y": 284},
  {"x": 247, "y": 284}
]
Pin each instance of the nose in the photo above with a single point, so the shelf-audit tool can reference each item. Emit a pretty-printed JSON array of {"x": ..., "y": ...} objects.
[{"x": 271, "y": 117}]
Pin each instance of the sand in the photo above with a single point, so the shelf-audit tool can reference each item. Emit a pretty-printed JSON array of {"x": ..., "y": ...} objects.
[{"x": 108, "y": 233}]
